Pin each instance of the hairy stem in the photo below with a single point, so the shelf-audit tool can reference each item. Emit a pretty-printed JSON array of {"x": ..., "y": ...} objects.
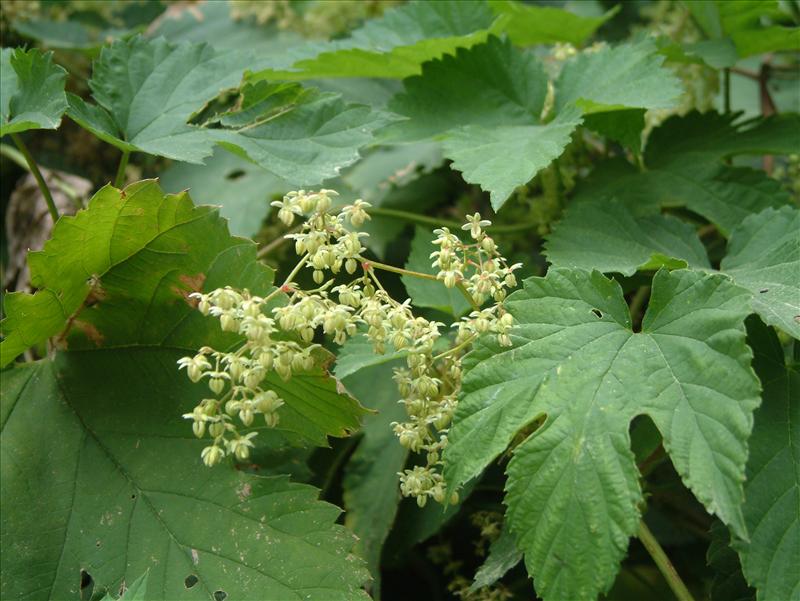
[
  {"x": 51, "y": 206},
  {"x": 119, "y": 180},
  {"x": 664, "y": 564}
]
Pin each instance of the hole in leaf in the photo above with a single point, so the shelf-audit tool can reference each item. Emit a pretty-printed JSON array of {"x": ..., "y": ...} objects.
[
  {"x": 763, "y": 290},
  {"x": 597, "y": 313},
  {"x": 235, "y": 174},
  {"x": 133, "y": 496},
  {"x": 87, "y": 585},
  {"x": 191, "y": 580},
  {"x": 220, "y": 595},
  {"x": 97, "y": 544}
]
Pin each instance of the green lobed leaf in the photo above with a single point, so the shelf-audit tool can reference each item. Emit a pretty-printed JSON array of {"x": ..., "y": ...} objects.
[
  {"x": 503, "y": 555},
  {"x": 148, "y": 90},
  {"x": 429, "y": 293},
  {"x": 530, "y": 24},
  {"x": 31, "y": 91},
  {"x": 213, "y": 23},
  {"x": 119, "y": 274},
  {"x": 746, "y": 23},
  {"x": 764, "y": 257},
  {"x": 572, "y": 492},
  {"x": 489, "y": 84},
  {"x": 482, "y": 153},
  {"x": 242, "y": 190},
  {"x": 392, "y": 46},
  {"x": 100, "y": 474},
  {"x": 625, "y": 76},
  {"x": 772, "y": 491},
  {"x": 684, "y": 168},
  {"x": 371, "y": 483},
  {"x": 607, "y": 237}
]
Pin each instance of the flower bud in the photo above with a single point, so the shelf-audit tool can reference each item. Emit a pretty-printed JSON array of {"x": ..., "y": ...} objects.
[
  {"x": 350, "y": 266},
  {"x": 318, "y": 276},
  {"x": 217, "y": 385},
  {"x": 212, "y": 455},
  {"x": 216, "y": 429}
]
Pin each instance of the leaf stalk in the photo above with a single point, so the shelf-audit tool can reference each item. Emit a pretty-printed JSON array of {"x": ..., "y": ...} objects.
[
  {"x": 664, "y": 564},
  {"x": 51, "y": 206}
]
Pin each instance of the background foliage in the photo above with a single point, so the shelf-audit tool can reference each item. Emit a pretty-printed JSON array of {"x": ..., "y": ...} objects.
[{"x": 640, "y": 159}]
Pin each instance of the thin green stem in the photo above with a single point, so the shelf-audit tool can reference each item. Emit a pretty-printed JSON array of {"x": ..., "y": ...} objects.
[
  {"x": 439, "y": 222},
  {"x": 455, "y": 349},
  {"x": 119, "y": 180},
  {"x": 400, "y": 270},
  {"x": 289, "y": 278},
  {"x": 664, "y": 564},
  {"x": 726, "y": 89},
  {"x": 277, "y": 242},
  {"x": 463, "y": 289},
  {"x": 424, "y": 276},
  {"x": 51, "y": 206}
]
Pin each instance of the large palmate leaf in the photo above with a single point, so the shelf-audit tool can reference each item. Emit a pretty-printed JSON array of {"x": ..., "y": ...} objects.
[
  {"x": 485, "y": 103},
  {"x": 626, "y": 76},
  {"x": 745, "y": 23},
  {"x": 503, "y": 555},
  {"x": 100, "y": 474},
  {"x": 482, "y": 153},
  {"x": 573, "y": 493},
  {"x": 242, "y": 190},
  {"x": 606, "y": 236},
  {"x": 764, "y": 257},
  {"x": 371, "y": 484},
  {"x": 489, "y": 84},
  {"x": 31, "y": 91},
  {"x": 148, "y": 90},
  {"x": 392, "y": 46},
  {"x": 529, "y": 24},
  {"x": 214, "y": 23},
  {"x": 119, "y": 274},
  {"x": 772, "y": 491},
  {"x": 684, "y": 168}
]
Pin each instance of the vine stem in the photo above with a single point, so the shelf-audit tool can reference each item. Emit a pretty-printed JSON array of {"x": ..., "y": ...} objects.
[
  {"x": 423, "y": 276},
  {"x": 664, "y": 564},
  {"x": 726, "y": 89},
  {"x": 51, "y": 206},
  {"x": 119, "y": 180},
  {"x": 289, "y": 278}
]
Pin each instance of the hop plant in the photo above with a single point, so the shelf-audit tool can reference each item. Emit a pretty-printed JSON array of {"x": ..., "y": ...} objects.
[{"x": 280, "y": 338}]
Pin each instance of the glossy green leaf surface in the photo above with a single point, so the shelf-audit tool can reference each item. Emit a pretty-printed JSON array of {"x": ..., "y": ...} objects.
[{"x": 111, "y": 482}]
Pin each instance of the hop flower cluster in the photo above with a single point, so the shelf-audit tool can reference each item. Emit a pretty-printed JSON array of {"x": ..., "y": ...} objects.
[{"x": 280, "y": 338}]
